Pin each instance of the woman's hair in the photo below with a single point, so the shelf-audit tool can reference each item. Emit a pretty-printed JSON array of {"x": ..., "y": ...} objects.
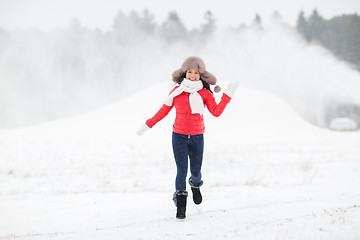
[
  {"x": 181, "y": 78},
  {"x": 206, "y": 85}
]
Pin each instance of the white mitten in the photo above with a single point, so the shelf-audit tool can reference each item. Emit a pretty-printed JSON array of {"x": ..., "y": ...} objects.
[
  {"x": 143, "y": 128},
  {"x": 231, "y": 88}
]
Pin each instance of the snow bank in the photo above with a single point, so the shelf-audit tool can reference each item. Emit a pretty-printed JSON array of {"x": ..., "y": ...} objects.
[{"x": 267, "y": 172}]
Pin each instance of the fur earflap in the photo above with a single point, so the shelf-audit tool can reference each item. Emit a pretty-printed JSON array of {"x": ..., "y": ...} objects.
[
  {"x": 177, "y": 74},
  {"x": 209, "y": 78}
]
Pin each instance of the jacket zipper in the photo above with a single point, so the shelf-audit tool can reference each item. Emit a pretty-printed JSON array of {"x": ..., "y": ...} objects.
[{"x": 188, "y": 121}]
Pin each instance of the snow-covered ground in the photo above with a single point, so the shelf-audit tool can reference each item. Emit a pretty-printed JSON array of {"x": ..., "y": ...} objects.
[{"x": 268, "y": 175}]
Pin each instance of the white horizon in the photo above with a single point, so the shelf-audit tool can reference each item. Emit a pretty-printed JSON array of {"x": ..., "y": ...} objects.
[{"x": 45, "y": 15}]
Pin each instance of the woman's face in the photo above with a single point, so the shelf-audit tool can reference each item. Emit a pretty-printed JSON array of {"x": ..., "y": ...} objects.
[{"x": 192, "y": 74}]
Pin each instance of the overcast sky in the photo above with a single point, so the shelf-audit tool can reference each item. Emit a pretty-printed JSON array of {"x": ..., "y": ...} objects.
[{"x": 46, "y": 14}]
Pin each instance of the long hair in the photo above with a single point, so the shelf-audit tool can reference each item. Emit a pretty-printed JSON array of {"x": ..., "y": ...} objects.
[{"x": 181, "y": 78}]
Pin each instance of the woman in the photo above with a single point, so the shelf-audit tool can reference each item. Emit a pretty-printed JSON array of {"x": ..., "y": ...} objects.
[{"x": 189, "y": 97}]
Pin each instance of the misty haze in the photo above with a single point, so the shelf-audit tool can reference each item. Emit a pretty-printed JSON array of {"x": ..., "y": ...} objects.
[
  {"x": 281, "y": 162},
  {"x": 53, "y": 74}
]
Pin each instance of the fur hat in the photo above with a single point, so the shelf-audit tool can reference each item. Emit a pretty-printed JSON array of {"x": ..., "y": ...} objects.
[{"x": 198, "y": 64}]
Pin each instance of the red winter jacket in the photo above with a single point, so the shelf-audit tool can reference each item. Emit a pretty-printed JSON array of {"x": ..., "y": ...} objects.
[{"x": 185, "y": 122}]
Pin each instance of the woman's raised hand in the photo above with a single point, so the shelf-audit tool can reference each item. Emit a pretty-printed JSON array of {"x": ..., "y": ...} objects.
[
  {"x": 231, "y": 88},
  {"x": 143, "y": 128}
]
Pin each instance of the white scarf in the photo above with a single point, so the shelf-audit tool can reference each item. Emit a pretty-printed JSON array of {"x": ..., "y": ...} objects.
[{"x": 196, "y": 101}]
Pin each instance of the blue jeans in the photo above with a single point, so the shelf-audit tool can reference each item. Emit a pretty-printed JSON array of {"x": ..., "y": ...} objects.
[{"x": 184, "y": 147}]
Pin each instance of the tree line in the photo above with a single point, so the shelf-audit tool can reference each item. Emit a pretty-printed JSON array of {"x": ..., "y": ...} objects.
[
  {"x": 134, "y": 27},
  {"x": 340, "y": 34}
]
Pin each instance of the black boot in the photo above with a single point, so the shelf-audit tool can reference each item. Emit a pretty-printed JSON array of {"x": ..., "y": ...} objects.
[
  {"x": 180, "y": 202},
  {"x": 195, "y": 188}
]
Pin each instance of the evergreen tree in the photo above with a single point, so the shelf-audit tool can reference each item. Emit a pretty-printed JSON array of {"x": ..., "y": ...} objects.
[
  {"x": 147, "y": 22},
  {"x": 302, "y": 26},
  {"x": 276, "y": 16},
  {"x": 120, "y": 27},
  {"x": 316, "y": 25},
  {"x": 208, "y": 28},
  {"x": 173, "y": 29},
  {"x": 257, "y": 19}
]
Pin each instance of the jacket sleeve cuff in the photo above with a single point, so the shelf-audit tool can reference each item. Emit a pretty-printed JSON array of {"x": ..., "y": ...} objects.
[
  {"x": 226, "y": 97},
  {"x": 149, "y": 123}
]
